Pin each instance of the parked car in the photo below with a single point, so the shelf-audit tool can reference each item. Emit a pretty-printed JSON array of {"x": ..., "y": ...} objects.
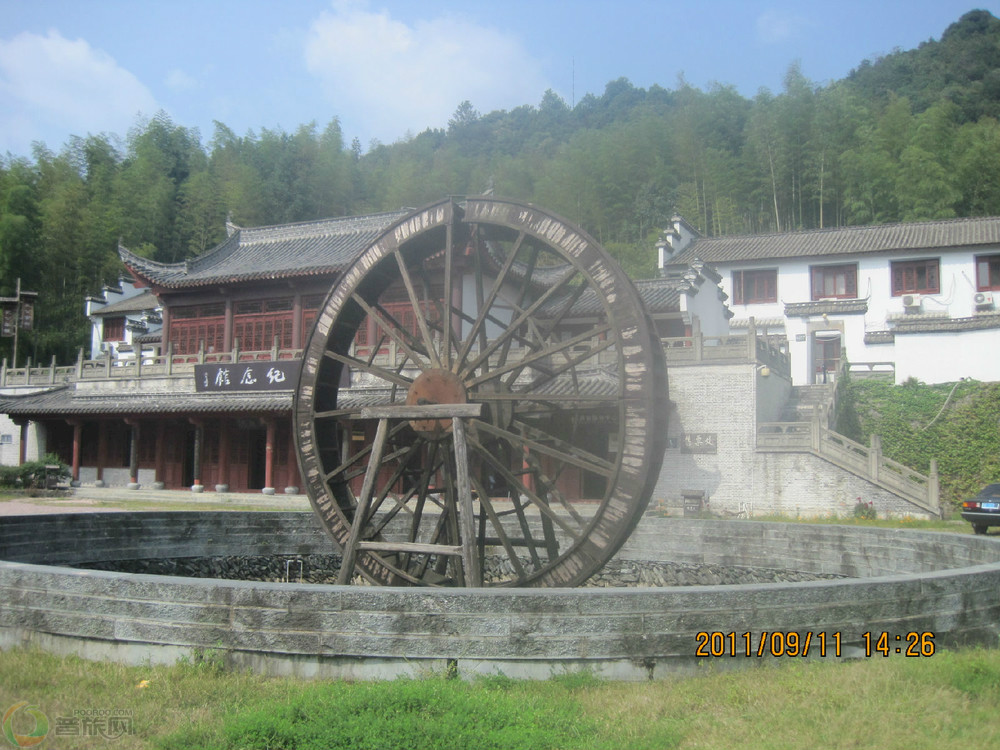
[{"x": 983, "y": 510}]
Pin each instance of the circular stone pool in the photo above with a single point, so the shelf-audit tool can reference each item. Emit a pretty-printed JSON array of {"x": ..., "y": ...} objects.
[{"x": 932, "y": 589}]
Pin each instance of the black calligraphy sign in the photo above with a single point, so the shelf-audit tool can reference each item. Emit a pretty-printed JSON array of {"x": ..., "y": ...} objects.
[
  {"x": 247, "y": 376},
  {"x": 700, "y": 442}
]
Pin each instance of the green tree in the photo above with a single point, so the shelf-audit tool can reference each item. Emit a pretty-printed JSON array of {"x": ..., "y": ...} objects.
[
  {"x": 927, "y": 184},
  {"x": 978, "y": 144}
]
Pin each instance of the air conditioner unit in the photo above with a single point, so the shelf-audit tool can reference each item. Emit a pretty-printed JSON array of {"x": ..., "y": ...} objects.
[
  {"x": 983, "y": 300},
  {"x": 912, "y": 302}
]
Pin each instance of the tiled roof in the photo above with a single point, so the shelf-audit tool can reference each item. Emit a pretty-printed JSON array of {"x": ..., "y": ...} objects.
[
  {"x": 886, "y": 238},
  {"x": 658, "y": 296},
  {"x": 67, "y": 401},
  {"x": 283, "y": 251},
  {"x": 140, "y": 302},
  {"x": 826, "y": 306}
]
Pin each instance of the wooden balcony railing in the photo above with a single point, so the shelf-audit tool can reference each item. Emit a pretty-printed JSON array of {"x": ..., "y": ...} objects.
[{"x": 679, "y": 351}]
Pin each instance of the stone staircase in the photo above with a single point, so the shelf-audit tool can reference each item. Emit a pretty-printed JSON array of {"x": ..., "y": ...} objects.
[
  {"x": 804, "y": 426},
  {"x": 803, "y": 401}
]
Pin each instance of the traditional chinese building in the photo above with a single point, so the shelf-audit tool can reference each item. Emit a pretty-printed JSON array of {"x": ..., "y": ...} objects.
[{"x": 207, "y": 402}]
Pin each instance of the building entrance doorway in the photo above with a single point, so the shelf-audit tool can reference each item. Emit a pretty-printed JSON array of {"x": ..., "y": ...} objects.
[
  {"x": 826, "y": 351},
  {"x": 256, "y": 466}
]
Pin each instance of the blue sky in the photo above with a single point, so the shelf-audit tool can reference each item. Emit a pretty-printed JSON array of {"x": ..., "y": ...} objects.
[{"x": 391, "y": 68}]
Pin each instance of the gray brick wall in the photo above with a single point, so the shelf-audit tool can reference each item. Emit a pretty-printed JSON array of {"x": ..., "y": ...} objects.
[
  {"x": 943, "y": 584},
  {"x": 728, "y": 401}
]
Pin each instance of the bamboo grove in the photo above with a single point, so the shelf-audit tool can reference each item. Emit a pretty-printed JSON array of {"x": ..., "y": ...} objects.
[{"x": 911, "y": 136}]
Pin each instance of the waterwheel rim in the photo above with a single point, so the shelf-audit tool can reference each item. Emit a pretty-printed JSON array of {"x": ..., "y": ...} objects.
[{"x": 503, "y": 305}]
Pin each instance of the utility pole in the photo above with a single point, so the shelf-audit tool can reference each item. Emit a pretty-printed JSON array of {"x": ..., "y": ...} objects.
[{"x": 17, "y": 319}]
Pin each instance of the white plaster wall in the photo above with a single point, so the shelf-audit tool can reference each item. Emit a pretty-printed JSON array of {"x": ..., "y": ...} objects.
[
  {"x": 10, "y": 454},
  {"x": 706, "y": 304},
  {"x": 933, "y": 358},
  {"x": 946, "y": 357}
]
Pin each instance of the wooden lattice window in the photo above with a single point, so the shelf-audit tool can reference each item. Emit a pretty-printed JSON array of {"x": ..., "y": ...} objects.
[
  {"x": 916, "y": 277},
  {"x": 835, "y": 281},
  {"x": 188, "y": 335},
  {"x": 114, "y": 329},
  {"x": 755, "y": 287},
  {"x": 988, "y": 273}
]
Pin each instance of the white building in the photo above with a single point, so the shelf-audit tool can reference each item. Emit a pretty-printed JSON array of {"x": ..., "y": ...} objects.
[
  {"x": 122, "y": 318},
  {"x": 920, "y": 300}
]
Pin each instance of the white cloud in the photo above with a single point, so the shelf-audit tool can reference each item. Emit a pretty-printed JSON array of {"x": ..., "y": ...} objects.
[
  {"x": 178, "y": 80},
  {"x": 774, "y": 27},
  {"x": 393, "y": 77},
  {"x": 52, "y": 87}
]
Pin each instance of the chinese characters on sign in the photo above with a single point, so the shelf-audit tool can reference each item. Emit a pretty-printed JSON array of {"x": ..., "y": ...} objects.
[
  {"x": 700, "y": 442},
  {"x": 17, "y": 312},
  {"x": 247, "y": 376},
  {"x": 111, "y": 724}
]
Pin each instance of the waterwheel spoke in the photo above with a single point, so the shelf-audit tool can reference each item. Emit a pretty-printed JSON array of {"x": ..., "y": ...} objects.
[
  {"x": 559, "y": 450},
  {"x": 506, "y": 337},
  {"x": 350, "y": 551},
  {"x": 449, "y": 239},
  {"x": 489, "y": 512},
  {"x": 486, "y": 304},
  {"x": 537, "y": 501},
  {"x": 556, "y": 348},
  {"x": 513, "y": 484},
  {"x": 362, "y": 366},
  {"x": 418, "y": 309},
  {"x": 341, "y": 471},
  {"x": 394, "y": 330}
]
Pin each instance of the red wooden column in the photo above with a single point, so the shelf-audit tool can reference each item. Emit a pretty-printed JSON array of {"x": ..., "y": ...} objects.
[
  {"x": 102, "y": 453},
  {"x": 165, "y": 335},
  {"x": 133, "y": 454},
  {"x": 227, "y": 328},
  {"x": 199, "y": 439},
  {"x": 297, "y": 342},
  {"x": 224, "y": 448},
  {"x": 77, "y": 440},
  {"x": 269, "y": 458},
  {"x": 161, "y": 455},
  {"x": 22, "y": 454},
  {"x": 292, "y": 487}
]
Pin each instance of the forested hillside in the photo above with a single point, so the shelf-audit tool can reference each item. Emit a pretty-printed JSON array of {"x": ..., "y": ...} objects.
[{"x": 910, "y": 136}]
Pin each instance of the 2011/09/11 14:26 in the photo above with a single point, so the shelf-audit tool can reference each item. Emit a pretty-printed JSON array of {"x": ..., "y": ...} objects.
[
  {"x": 791, "y": 643},
  {"x": 912, "y": 643}
]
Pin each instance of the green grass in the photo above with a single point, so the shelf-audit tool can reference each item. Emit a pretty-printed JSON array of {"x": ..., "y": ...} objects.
[
  {"x": 953, "y": 523},
  {"x": 139, "y": 504},
  {"x": 946, "y": 701}
]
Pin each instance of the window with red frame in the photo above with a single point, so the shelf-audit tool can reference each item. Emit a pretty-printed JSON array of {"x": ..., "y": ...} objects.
[
  {"x": 916, "y": 277},
  {"x": 114, "y": 329},
  {"x": 752, "y": 287},
  {"x": 988, "y": 273},
  {"x": 835, "y": 281}
]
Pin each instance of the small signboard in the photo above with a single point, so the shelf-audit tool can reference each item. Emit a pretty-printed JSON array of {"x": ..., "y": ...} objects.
[
  {"x": 700, "y": 442},
  {"x": 9, "y": 313},
  {"x": 247, "y": 376}
]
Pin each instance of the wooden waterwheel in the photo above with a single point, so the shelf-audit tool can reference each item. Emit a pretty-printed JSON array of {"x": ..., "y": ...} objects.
[{"x": 482, "y": 402}]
